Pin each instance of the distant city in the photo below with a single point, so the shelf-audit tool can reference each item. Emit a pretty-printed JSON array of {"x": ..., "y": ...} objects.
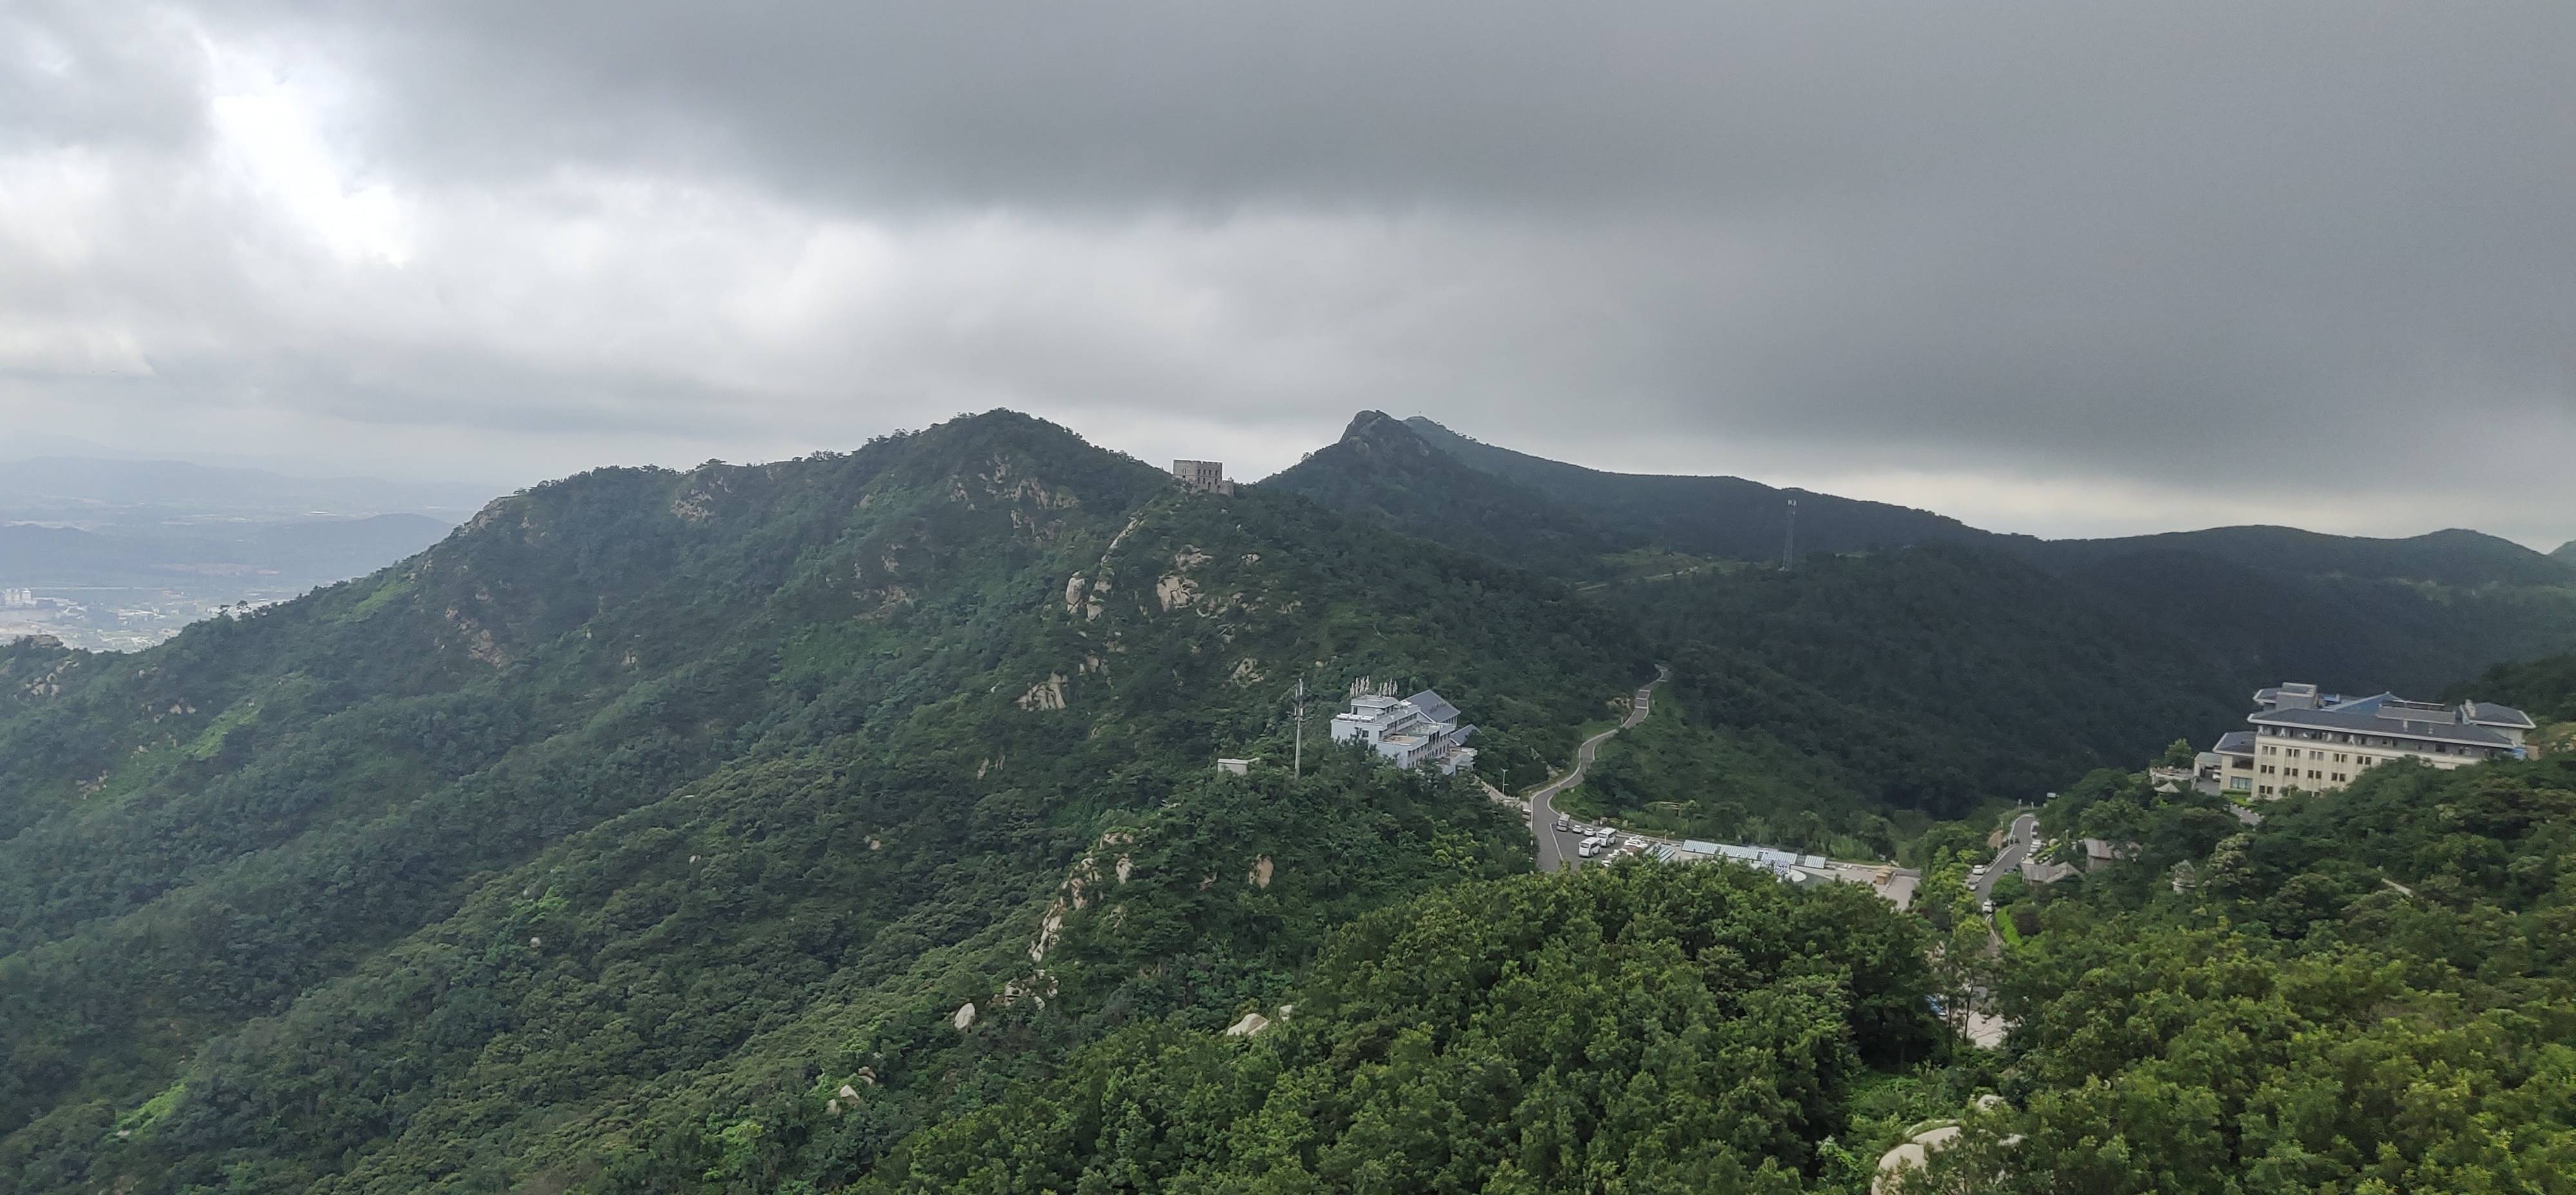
[
  {"x": 123, "y": 619},
  {"x": 118, "y": 555}
]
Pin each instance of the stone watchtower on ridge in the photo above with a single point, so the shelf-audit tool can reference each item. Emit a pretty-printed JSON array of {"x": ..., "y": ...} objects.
[{"x": 1206, "y": 476}]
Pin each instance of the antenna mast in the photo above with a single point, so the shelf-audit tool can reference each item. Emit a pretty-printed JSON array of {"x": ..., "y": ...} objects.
[
  {"x": 1298, "y": 765},
  {"x": 1789, "y": 545}
]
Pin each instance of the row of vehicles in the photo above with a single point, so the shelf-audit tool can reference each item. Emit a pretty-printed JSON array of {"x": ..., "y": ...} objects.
[{"x": 1596, "y": 839}]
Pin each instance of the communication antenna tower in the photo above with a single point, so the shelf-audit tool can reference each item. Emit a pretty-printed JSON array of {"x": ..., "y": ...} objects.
[
  {"x": 1297, "y": 764},
  {"x": 1789, "y": 545}
]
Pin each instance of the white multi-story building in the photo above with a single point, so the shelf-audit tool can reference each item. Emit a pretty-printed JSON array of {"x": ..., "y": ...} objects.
[
  {"x": 1417, "y": 730},
  {"x": 2306, "y": 741}
]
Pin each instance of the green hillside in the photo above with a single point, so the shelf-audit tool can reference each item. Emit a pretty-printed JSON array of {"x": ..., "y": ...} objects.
[
  {"x": 2543, "y": 688},
  {"x": 1385, "y": 469},
  {"x": 629, "y": 773},
  {"x": 1930, "y": 678},
  {"x": 2345, "y": 633},
  {"x": 1724, "y": 517},
  {"x": 851, "y": 823},
  {"x": 2372, "y": 990},
  {"x": 1933, "y": 664}
]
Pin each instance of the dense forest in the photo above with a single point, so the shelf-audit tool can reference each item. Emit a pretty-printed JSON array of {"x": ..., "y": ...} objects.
[
  {"x": 2372, "y": 990},
  {"x": 852, "y": 823},
  {"x": 1726, "y": 518},
  {"x": 1909, "y": 663},
  {"x": 971, "y": 650},
  {"x": 1382, "y": 470}
]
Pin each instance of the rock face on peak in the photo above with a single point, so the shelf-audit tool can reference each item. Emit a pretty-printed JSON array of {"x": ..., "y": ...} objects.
[{"x": 1371, "y": 430}]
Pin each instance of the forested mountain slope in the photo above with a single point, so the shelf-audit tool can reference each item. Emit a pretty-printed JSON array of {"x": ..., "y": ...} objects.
[
  {"x": 632, "y": 800},
  {"x": 1385, "y": 469},
  {"x": 1725, "y": 517},
  {"x": 2347, "y": 634},
  {"x": 1931, "y": 677},
  {"x": 2543, "y": 688},
  {"x": 2372, "y": 990},
  {"x": 1934, "y": 664},
  {"x": 1646, "y": 1029}
]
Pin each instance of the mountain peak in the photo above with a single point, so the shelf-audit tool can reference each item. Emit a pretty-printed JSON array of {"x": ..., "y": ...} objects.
[{"x": 1378, "y": 430}]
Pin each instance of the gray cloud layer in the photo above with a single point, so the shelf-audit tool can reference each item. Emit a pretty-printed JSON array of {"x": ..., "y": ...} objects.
[{"x": 2050, "y": 267}]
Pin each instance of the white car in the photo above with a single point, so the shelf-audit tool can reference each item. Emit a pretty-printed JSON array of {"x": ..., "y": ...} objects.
[
  {"x": 1636, "y": 844},
  {"x": 1979, "y": 871},
  {"x": 1587, "y": 850}
]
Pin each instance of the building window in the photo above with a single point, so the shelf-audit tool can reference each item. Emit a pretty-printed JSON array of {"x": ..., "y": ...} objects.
[
  {"x": 2267, "y": 790},
  {"x": 2338, "y": 777},
  {"x": 2312, "y": 774}
]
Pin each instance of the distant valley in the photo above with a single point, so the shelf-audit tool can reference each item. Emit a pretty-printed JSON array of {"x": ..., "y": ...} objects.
[{"x": 120, "y": 554}]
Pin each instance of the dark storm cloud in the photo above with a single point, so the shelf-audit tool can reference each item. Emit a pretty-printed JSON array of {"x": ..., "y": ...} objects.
[{"x": 2285, "y": 251}]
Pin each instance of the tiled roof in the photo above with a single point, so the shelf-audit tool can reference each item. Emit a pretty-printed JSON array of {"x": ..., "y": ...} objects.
[
  {"x": 2364, "y": 718},
  {"x": 1433, "y": 706}
]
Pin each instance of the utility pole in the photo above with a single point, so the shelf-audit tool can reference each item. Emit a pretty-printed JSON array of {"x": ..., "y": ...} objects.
[
  {"x": 1297, "y": 766},
  {"x": 1789, "y": 546}
]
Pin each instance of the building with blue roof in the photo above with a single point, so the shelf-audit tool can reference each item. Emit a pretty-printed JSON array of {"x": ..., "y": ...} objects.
[{"x": 2306, "y": 740}]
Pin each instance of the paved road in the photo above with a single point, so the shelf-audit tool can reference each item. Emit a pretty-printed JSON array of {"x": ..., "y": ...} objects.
[
  {"x": 1556, "y": 851},
  {"x": 2016, "y": 847}
]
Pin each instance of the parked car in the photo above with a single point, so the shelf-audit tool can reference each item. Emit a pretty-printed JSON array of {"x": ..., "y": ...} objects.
[
  {"x": 1587, "y": 850},
  {"x": 1988, "y": 909},
  {"x": 1563, "y": 823},
  {"x": 1977, "y": 872}
]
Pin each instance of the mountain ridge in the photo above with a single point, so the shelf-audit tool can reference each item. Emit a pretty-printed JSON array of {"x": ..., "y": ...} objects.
[
  {"x": 1706, "y": 515},
  {"x": 969, "y": 648},
  {"x": 1385, "y": 469}
]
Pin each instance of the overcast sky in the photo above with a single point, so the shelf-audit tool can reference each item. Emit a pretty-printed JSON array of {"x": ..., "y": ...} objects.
[{"x": 2049, "y": 267}]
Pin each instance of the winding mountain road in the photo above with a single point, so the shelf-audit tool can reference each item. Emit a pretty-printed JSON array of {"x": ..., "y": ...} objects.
[
  {"x": 2025, "y": 832},
  {"x": 1553, "y": 854}
]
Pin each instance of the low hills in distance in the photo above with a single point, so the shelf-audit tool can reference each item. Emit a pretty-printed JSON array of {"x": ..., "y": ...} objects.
[
  {"x": 1379, "y": 464},
  {"x": 851, "y": 823},
  {"x": 122, "y": 553}
]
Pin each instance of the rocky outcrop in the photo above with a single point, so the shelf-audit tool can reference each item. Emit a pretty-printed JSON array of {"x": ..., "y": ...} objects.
[{"x": 1045, "y": 695}]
